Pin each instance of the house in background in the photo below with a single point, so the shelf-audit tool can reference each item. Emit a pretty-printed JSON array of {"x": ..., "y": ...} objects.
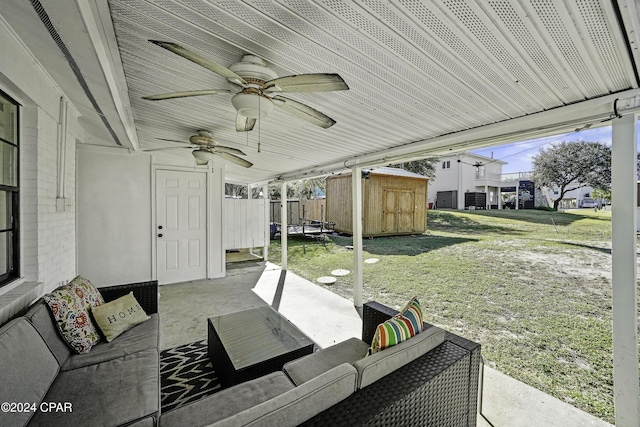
[
  {"x": 572, "y": 199},
  {"x": 466, "y": 179}
]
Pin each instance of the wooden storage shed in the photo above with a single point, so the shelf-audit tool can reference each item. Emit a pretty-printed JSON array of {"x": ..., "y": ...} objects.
[{"x": 394, "y": 202}]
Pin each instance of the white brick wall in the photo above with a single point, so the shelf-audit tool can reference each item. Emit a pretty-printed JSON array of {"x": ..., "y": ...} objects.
[{"x": 48, "y": 244}]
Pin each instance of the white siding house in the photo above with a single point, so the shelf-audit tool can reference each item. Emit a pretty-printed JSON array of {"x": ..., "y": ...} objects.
[
  {"x": 572, "y": 198},
  {"x": 463, "y": 173}
]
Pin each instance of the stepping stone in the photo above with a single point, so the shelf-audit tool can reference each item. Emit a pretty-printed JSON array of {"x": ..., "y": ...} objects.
[
  {"x": 371, "y": 260},
  {"x": 340, "y": 272},
  {"x": 327, "y": 280}
]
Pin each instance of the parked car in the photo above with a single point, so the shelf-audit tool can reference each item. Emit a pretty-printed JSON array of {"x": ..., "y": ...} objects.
[{"x": 588, "y": 202}]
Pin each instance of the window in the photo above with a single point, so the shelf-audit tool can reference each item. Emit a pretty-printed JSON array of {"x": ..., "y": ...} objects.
[{"x": 9, "y": 189}]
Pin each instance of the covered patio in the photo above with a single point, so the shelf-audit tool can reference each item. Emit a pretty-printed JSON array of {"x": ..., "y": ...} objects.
[
  {"x": 185, "y": 307},
  {"x": 99, "y": 155}
]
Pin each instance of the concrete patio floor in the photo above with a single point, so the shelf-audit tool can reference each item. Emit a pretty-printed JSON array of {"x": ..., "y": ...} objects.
[{"x": 327, "y": 319}]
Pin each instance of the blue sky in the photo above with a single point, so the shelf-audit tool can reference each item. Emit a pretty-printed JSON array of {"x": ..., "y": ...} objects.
[{"x": 519, "y": 153}]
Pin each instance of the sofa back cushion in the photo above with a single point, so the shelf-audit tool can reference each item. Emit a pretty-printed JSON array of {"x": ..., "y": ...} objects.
[
  {"x": 372, "y": 368},
  {"x": 41, "y": 318},
  {"x": 27, "y": 369}
]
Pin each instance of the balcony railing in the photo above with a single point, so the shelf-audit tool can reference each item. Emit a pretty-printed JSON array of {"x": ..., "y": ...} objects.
[
  {"x": 487, "y": 175},
  {"x": 516, "y": 176}
]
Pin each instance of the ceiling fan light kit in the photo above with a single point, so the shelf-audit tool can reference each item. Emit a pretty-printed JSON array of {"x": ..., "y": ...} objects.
[
  {"x": 202, "y": 156},
  {"x": 251, "y": 106}
]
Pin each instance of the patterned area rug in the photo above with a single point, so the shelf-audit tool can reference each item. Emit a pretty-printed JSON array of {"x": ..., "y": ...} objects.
[{"x": 186, "y": 375}]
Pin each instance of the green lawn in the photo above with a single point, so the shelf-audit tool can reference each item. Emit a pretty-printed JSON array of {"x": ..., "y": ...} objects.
[{"x": 533, "y": 287}]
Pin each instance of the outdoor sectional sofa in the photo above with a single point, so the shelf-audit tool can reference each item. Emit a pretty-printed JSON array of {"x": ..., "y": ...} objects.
[
  {"x": 429, "y": 380},
  {"x": 116, "y": 384}
]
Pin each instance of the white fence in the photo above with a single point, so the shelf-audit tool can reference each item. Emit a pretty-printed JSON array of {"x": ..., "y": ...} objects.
[{"x": 246, "y": 222}]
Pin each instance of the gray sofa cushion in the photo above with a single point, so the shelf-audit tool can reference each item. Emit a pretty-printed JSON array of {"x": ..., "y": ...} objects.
[
  {"x": 147, "y": 422},
  {"x": 141, "y": 337},
  {"x": 27, "y": 368},
  {"x": 228, "y": 402},
  {"x": 40, "y": 316},
  {"x": 108, "y": 393},
  {"x": 299, "y": 404},
  {"x": 310, "y": 366},
  {"x": 372, "y": 368}
]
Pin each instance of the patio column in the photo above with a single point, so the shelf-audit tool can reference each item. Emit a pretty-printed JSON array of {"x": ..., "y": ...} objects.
[
  {"x": 283, "y": 224},
  {"x": 626, "y": 387},
  {"x": 487, "y": 202},
  {"x": 356, "y": 192},
  {"x": 267, "y": 228}
]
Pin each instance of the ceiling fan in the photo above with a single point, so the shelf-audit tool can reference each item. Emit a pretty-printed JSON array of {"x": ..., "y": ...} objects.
[
  {"x": 206, "y": 147},
  {"x": 259, "y": 88}
]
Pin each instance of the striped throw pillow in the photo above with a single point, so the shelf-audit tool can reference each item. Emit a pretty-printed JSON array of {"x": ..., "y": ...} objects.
[
  {"x": 413, "y": 312},
  {"x": 399, "y": 328}
]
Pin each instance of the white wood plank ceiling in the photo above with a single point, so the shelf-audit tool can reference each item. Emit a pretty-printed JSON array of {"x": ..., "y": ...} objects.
[{"x": 416, "y": 70}]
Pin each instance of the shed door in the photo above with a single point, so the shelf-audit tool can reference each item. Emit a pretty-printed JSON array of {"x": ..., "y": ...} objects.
[
  {"x": 406, "y": 210},
  {"x": 389, "y": 211},
  {"x": 398, "y": 208}
]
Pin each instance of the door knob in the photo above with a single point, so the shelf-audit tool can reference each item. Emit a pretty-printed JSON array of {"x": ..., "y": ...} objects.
[
  {"x": 159, "y": 227},
  {"x": 159, "y": 235}
]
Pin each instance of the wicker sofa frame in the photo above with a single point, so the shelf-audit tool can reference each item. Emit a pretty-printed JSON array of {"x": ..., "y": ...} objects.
[
  {"x": 438, "y": 389},
  {"x": 146, "y": 294}
]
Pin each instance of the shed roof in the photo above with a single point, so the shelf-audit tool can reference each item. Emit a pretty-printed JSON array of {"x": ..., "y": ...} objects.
[
  {"x": 384, "y": 170},
  {"x": 395, "y": 172}
]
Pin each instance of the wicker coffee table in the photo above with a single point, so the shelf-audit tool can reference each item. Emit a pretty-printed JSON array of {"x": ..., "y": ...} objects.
[{"x": 251, "y": 343}]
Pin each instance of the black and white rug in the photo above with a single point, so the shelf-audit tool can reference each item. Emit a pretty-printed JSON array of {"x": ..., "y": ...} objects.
[{"x": 186, "y": 374}]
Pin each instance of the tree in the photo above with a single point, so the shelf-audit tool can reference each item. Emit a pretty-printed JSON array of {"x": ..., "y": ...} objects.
[
  {"x": 235, "y": 191},
  {"x": 240, "y": 191},
  {"x": 308, "y": 189},
  {"x": 579, "y": 162},
  {"x": 426, "y": 167}
]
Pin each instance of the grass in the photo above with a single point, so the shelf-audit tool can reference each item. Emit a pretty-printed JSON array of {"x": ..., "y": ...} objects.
[{"x": 533, "y": 287}]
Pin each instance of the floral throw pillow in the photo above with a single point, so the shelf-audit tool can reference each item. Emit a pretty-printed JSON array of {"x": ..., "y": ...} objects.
[
  {"x": 88, "y": 293},
  {"x": 69, "y": 306},
  {"x": 399, "y": 328}
]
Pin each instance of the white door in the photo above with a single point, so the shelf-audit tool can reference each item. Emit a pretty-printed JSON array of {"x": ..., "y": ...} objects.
[{"x": 181, "y": 226}]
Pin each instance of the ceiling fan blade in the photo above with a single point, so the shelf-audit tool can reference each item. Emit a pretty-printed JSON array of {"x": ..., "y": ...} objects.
[
  {"x": 244, "y": 124},
  {"x": 172, "y": 140},
  {"x": 202, "y": 61},
  {"x": 304, "y": 112},
  {"x": 168, "y": 148},
  {"x": 306, "y": 83},
  {"x": 185, "y": 94},
  {"x": 235, "y": 159},
  {"x": 229, "y": 150}
]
